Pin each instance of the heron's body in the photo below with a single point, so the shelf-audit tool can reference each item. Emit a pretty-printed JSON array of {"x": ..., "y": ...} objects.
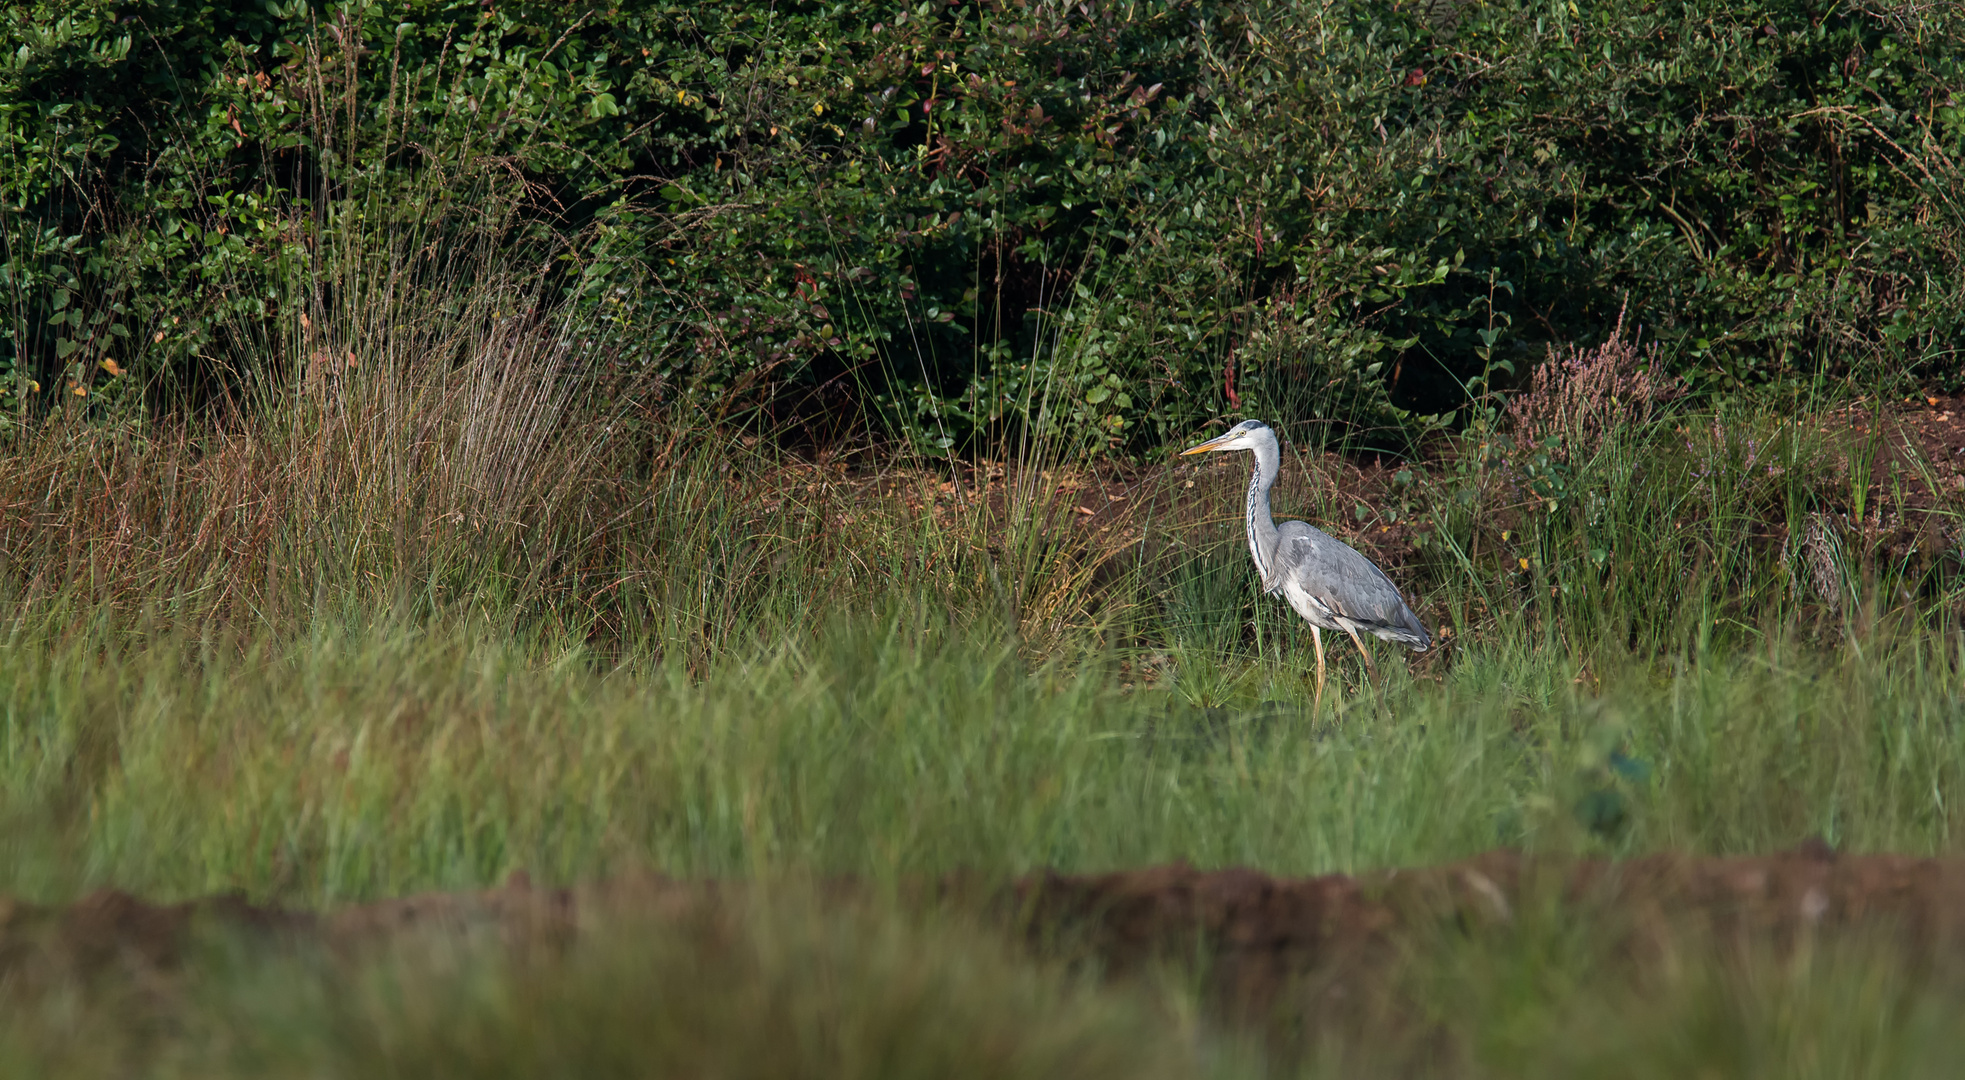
[{"x": 1326, "y": 580}]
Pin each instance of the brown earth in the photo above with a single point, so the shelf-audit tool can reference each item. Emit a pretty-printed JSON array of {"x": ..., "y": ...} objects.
[{"x": 1266, "y": 941}]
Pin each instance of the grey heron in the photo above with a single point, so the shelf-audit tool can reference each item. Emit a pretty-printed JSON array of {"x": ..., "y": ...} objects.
[{"x": 1324, "y": 579}]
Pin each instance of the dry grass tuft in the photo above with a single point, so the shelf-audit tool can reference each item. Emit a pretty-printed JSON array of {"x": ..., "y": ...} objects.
[{"x": 436, "y": 448}]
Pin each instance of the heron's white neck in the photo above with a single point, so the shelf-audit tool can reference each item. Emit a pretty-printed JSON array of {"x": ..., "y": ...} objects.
[{"x": 1262, "y": 527}]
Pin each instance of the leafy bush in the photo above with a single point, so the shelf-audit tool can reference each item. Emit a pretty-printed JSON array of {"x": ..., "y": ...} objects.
[{"x": 972, "y": 219}]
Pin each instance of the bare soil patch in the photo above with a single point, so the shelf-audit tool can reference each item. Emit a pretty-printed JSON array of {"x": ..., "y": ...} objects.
[{"x": 1265, "y": 942}]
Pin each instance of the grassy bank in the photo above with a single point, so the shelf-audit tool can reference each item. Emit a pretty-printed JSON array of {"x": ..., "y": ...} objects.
[
  {"x": 332, "y": 649},
  {"x": 776, "y": 982}
]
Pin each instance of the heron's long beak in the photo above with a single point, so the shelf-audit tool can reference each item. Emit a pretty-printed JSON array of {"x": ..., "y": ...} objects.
[{"x": 1211, "y": 444}]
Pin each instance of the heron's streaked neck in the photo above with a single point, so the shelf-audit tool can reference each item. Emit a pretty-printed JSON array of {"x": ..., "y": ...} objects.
[{"x": 1262, "y": 527}]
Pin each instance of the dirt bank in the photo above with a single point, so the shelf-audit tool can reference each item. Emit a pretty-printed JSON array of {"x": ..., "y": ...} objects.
[{"x": 1259, "y": 935}]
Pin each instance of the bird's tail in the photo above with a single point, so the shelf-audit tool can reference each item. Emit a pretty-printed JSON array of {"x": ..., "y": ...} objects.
[{"x": 1409, "y": 631}]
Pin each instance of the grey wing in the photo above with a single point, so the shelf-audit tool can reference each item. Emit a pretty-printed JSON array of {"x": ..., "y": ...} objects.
[{"x": 1340, "y": 579}]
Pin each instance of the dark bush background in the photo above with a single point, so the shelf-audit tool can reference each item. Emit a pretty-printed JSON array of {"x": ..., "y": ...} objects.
[{"x": 945, "y": 220}]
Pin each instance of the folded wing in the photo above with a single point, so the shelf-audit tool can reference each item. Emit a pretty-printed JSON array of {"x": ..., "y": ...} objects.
[{"x": 1340, "y": 580}]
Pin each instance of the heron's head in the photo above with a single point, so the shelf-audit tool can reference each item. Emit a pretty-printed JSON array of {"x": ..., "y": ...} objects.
[{"x": 1242, "y": 436}]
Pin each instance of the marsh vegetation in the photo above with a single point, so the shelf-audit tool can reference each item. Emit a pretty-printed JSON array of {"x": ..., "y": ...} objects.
[{"x": 465, "y": 503}]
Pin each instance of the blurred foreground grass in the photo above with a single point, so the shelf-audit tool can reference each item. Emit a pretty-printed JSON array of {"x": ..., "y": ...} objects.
[{"x": 773, "y": 983}]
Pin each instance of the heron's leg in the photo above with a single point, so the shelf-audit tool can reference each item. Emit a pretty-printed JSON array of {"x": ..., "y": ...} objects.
[
  {"x": 1317, "y": 639},
  {"x": 1370, "y": 671}
]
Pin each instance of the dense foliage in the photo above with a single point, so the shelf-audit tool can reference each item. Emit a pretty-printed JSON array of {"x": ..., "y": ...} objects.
[{"x": 1114, "y": 219}]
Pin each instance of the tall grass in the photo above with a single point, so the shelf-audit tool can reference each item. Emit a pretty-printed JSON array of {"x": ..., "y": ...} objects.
[
  {"x": 429, "y": 601},
  {"x": 366, "y": 762}
]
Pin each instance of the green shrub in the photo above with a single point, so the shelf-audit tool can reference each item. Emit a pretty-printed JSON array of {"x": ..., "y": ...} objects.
[{"x": 966, "y": 219}]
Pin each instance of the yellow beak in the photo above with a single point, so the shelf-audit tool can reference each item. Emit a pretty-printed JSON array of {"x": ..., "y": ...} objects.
[{"x": 1211, "y": 444}]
